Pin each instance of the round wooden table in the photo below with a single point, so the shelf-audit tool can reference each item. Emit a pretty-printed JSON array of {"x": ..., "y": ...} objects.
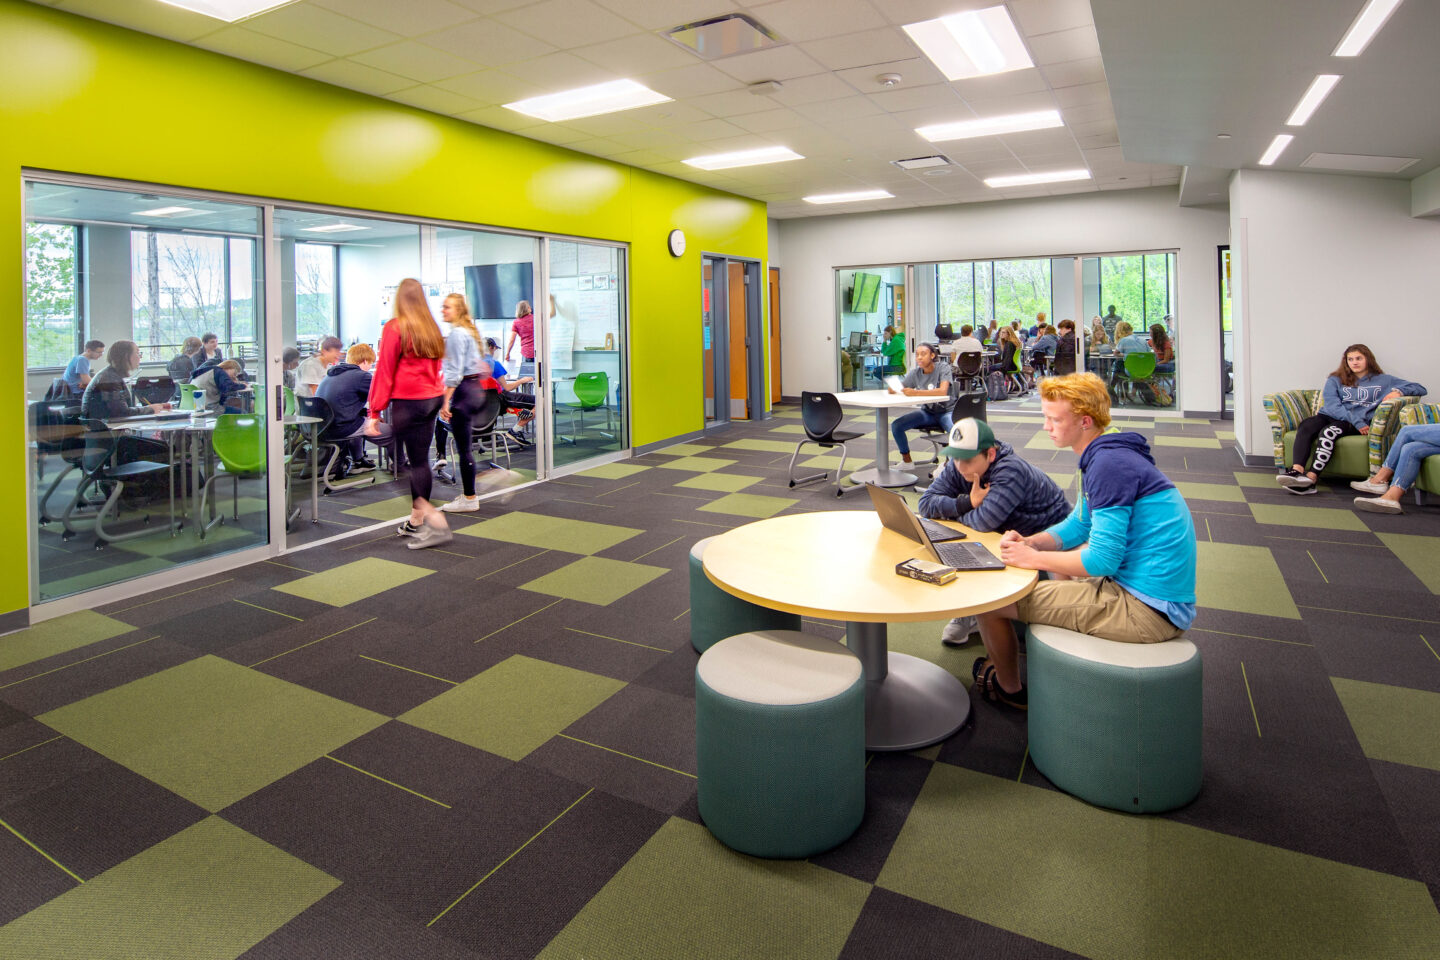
[{"x": 840, "y": 565}]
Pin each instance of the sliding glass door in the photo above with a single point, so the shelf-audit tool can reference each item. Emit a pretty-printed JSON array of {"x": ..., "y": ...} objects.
[{"x": 584, "y": 327}]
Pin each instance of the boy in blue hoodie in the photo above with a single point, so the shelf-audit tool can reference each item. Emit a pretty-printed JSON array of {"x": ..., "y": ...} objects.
[
  {"x": 1351, "y": 395},
  {"x": 1125, "y": 554}
]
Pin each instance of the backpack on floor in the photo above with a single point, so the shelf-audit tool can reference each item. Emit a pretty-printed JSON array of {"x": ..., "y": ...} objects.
[{"x": 995, "y": 386}]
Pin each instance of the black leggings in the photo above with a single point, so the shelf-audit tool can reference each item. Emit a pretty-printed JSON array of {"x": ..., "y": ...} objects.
[
  {"x": 414, "y": 424},
  {"x": 465, "y": 404},
  {"x": 1315, "y": 440}
]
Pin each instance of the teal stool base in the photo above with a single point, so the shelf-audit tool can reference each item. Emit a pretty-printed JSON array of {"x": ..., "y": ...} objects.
[{"x": 715, "y": 614}]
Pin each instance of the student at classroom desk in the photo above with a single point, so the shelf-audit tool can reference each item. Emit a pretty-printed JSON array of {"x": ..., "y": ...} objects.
[
  {"x": 77, "y": 371},
  {"x": 222, "y": 387},
  {"x": 182, "y": 366},
  {"x": 109, "y": 397}
]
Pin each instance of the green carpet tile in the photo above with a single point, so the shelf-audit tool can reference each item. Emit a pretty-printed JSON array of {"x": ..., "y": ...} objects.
[{"x": 488, "y": 750}]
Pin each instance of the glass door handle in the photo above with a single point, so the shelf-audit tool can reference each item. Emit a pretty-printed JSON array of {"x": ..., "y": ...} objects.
[{"x": 279, "y": 403}]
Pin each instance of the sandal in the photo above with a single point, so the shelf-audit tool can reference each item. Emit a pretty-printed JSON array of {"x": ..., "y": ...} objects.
[
  {"x": 989, "y": 687},
  {"x": 978, "y": 667}
]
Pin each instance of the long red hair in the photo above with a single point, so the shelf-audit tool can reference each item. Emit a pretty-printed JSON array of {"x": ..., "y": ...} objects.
[
  {"x": 419, "y": 333},
  {"x": 1347, "y": 377}
]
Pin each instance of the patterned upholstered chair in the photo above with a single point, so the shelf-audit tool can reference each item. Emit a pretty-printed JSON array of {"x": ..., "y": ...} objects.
[
  {"x": 1429, "y": 480},
  {"x": 1357, "y": 457}
]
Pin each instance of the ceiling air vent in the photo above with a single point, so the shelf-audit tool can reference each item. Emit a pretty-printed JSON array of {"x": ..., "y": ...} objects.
[
  {"x": 920, "y": 163},
  {"x": 727, "y": 36}
]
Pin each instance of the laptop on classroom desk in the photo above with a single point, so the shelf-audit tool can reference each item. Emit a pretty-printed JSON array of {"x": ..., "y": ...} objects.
[{"x": 895, "y": 515}]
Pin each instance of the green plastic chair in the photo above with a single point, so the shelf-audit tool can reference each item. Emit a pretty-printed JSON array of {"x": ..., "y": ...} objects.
[
  {"x": 1138, "y": 368},
  {"x": 188, "y": 394},
  {"x": 592, "y": 391},
  {"x": 239, "y": 444},
  {"x": 289, "y": 410}
]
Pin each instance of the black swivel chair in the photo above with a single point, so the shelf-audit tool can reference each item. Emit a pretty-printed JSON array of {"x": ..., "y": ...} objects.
[
  {"x": 331, "y": 449},
  {"x": 820, "y": 414},
  {"x": 101, "y": 472}
]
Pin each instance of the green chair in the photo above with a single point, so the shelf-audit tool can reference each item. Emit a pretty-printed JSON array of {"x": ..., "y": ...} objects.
[
  {"x": 1429, "y": 480},
  {"x": 1115, "y": 724},
  {"x": 239, "y": 443},
  {"x": 780, "y": 743},
  {"x": 289, "y": 410},
  {"x": 592, "y": 392},
  {"x": 1356, "y": 457},
  {"x": 715, "y": 614},
  {"x": 189, "y": 396},
  {"x": 1138, "y": 368}
]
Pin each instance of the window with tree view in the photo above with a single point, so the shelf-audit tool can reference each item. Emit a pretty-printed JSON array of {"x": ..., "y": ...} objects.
[
  {"x": 52, "y": 293},
  {"x": 185, "y": 285},
  {"x": 985, "y": 290},
  {"x": 315, "y": 290}
]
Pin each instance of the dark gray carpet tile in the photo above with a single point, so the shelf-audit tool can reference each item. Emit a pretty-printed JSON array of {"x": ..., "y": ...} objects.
[
  {"x": 1228, "y": 528},
  {"x": 1413, "y": 796},
  {"x": 1309, "y": 800},
  {"x": 311, "y": 638},
  {"x": 643, "y": 722},
  {"x": 9, "y": 716},
  {"x": 1248, "y": 626},
  {"x": 36, "y": 758},
  {"x": 62, "y": 680},
  {"x": 209, "y": 594},
  {"x": 436, "y": 766},
  {"x": 894, "y": 927},
  {"x": 380, "y": 679},
  {"x": 529, "y": 563},
  {"x": 396, "y": 847},
  {"x": 217, "y": 629},
  {"x": 627, "y": 776},
  {"x": 550, "y": 636},
  {"x": 349, "y": 924},
  {"x": 27, "y": 880},
  {"x": 1325, "y": 604},
  {"x": 674, "y": 673},
  {"x": 528, "y": 901},
  {"x": 100, "y": 817},
  {"x": 892, "y": 782},
  {"x": 1382, "y": 651},
  {"x": 664, "y": 624},
  {"x": 992, "y": 741},
  {"x": 418, "y": 604}
]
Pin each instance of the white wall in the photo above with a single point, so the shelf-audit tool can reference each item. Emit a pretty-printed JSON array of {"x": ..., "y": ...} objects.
[
  {"x": 1323, "y": 262},
  {"x": 1106, "y": 222}
]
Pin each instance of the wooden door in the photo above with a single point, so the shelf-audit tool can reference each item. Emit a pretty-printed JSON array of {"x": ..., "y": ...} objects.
[{"x": 775, "y": 335}]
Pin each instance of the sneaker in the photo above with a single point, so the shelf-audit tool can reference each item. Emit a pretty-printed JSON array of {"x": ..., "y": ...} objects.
[
  {"x": 441, "y": 470},
  {"x": 1294, "y": 480},
  {"x": 518, "y": 437},
  {"x": 430, "y": 536},
  {"x": 1303, "y": 491},
  {"x": 361, "y": 465},
  {"x": 1369, "y": 486},
  {"x": 461, "y": 504},
  {"x": 494, "y": 479},
  {"x": 957, "y": 632},
  {"x": 1378, "y": 505},
  {"x": 407, "y": 529}
]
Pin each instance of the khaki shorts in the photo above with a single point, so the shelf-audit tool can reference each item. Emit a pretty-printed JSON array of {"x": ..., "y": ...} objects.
[{"x": 1098, "y": 607}]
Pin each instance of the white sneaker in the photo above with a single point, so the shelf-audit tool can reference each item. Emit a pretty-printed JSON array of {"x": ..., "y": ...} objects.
[
  {"x": 957, "y": 632},
  {"x": 1378, "y": 505},
  {"x": 461, "y": 504},
  {"x": 1369, "y": 486},
  {"x": 494, "y": 479},
  {"x": 430, "y": 536},
  {"x": 1294, "y": 481}
]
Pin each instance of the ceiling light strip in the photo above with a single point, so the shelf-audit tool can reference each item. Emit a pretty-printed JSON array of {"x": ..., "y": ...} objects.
[
  {"x": 744, "y": 158},
  {"x": 991, "y": 126},
  {"x": 591, "y": 101},
  {"x": 228, "y": 10},
  {"x": 851, "y": 197},
  {"x": 976, "y": 43},
  {"x": 1320, "y": 88},
  {"x": 1030, "y": 179},
  {"x": 1277, "y": 147},
  {"x": 1366, "y": 25}
]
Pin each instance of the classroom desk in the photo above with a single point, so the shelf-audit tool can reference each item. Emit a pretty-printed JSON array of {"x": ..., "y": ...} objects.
[
  {"x": 881, "y": 401},
  {"x": 840, "y": 565}
]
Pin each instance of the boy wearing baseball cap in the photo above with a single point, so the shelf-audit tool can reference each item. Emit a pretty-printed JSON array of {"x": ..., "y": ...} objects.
[{"x": 985, "y": 485}]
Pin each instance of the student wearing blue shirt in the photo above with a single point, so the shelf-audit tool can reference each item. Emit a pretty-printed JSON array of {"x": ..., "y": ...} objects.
[
  {"x": 1125, "y": 556},
  {"x": 77, "y": 371}
]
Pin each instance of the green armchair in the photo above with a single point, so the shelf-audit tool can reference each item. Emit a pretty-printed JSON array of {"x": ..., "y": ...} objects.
[
  {"x": 1429, "y": 479},
  {"x": 1357, "y": 457}
]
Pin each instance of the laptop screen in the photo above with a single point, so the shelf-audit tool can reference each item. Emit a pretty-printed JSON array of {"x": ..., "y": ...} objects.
[{"x": 895, "y": 514}]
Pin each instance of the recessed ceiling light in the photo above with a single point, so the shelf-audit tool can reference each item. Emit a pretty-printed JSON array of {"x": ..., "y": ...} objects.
[
  {"x": 920, "y": 163},
  {"x": 848, "y": 197},
  {"x": 975, "y": 43},
  {"x": 588, "y": 101},
  {"x": 744, "y": 158},
  {"x": 167, "y": 212},
  {"x": 1277, "y": 147},
  {"x": 991, "y": 126},
  {"x": 1222, "y": 136},
  {"x": 1363, "y": 30},
  {"x": 334, "y": 228},
  {"x": 1027, "y": 179},
  {"x": 1320, "y": 88},
  {"x": 228, "y": 10}
]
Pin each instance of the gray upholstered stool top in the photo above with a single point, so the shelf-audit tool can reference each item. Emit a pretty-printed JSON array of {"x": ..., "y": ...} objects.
[
  {"x": 1137, "y": 655},
  {"x": 778, "y": 667}
]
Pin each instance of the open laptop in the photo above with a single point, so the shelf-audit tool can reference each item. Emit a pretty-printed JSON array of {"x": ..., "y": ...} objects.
[{"x": 895, "y": 514}]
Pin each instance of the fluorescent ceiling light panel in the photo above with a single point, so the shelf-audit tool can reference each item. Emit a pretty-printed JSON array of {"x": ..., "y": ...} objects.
[
  {"x": 228, "y": 10},
  {"x": 975, "y": 43},
  {"x": 1277, "y": 147},
  {"x": 1319, "y": 89},
  {"x": 849, "y": 197},
  {"x": 335, "y": 228},
  {"x": 166, "y": 212},
  {"x": 589, "y": 101},
  {"x": 1029, "y": 179},
  {"x": 991, "y": 126},
  {"x": 744, "y": 158},
  {"x": 1363, "y": 30}
]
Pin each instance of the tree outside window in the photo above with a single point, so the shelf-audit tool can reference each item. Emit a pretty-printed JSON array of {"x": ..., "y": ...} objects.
[
  {"x": 1022, "y": 289},
  {"x": 314, "y": 290},
  {"x": 52, "y": 316}
]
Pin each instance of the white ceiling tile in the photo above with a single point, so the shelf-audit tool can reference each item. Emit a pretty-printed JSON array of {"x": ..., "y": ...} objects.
[
  {"x": 732, "y": 104},
  {"x": 607, "y": 125},
  {"x": 1035, "y": 17},
  {"x": 862, "y": 49},
  {"x": 709, "y": 130},
  {"x": 1041, "y": 142},
  {"x": 409, "y": 19},
  {"x": 1085, "y": 93},
  {"x": 997, "y": 85},
  {"x": 912, "y": 11},
  {"x": 258, "y": 48},
  {"x": 487, "y": 7},
  {"x": 567, "y": 23},
  {"x": 435, "y": 100},
  {"x": 822, "y": 86},
  {"x": 415, "y": 60},
  {"x": 653, "y": 15},
  {"x": 491, "y": 86},
  {"x": 1075, "y": 72},
  {"x": 916, "y": 72},
  {"x": 1092, "y": 140},
  {"x": 1087, "y": 112},
  {"x": 560, "y": 71},
  {"x": 668, "y": 114},
  {"x": 635, "y": 53},
  {"x": 800, "y": 20},
  {"x": 487, "y": 43},
  {"x": 1019, "y": 103},
  {"x": 357, "y": 76},
  {"x": 770, "y": 121},
  {"x": 777, "y": 63},
  {"x": 556, "y": 133},
  {"x": 981, "y": 149},
  {"x": 652, "y": 139},
  {"x": 692, "y": 81},
  {"x": 901, "y": 99},
  {"x": 159, "y": 19},
  {"x": 321, "y": 29},
  {"x": 1081, "y": 43},
  {"x": 501, "y": 119},
  {"x": 838, "y": 112},
  {"x": 641, "y": 158}
]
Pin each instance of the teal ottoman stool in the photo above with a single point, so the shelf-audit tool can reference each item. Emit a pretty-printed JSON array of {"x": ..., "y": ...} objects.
[
  {"x": 780, "y": 742},
  {"x": 715, "y": 614},
  {"x": 1115, "y": 724}
]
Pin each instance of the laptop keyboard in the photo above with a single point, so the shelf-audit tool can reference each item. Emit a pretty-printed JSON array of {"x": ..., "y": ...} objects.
[
  {"x": 938, "y": 532},
  {"x": 965, "y": 556}
]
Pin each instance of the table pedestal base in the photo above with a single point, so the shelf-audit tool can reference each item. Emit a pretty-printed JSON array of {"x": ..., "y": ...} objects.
[
  {"x": 883, "y": 477},
  {"x": 909, "y": 703}
]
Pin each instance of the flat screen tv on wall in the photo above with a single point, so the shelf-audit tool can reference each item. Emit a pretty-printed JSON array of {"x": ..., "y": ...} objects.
[
  {"x": 493, "y": 289},
  {"x": 865, "y": 295}
]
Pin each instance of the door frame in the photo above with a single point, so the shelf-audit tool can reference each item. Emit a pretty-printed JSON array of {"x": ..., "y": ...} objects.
[{"x": 757, "y": 396}]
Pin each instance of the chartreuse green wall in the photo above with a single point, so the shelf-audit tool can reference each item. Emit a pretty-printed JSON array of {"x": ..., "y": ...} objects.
[{"x": 80, "y": 96}]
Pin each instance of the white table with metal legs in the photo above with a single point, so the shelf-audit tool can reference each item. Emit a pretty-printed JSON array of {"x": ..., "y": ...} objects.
[{"x": 882, "y": 401}]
